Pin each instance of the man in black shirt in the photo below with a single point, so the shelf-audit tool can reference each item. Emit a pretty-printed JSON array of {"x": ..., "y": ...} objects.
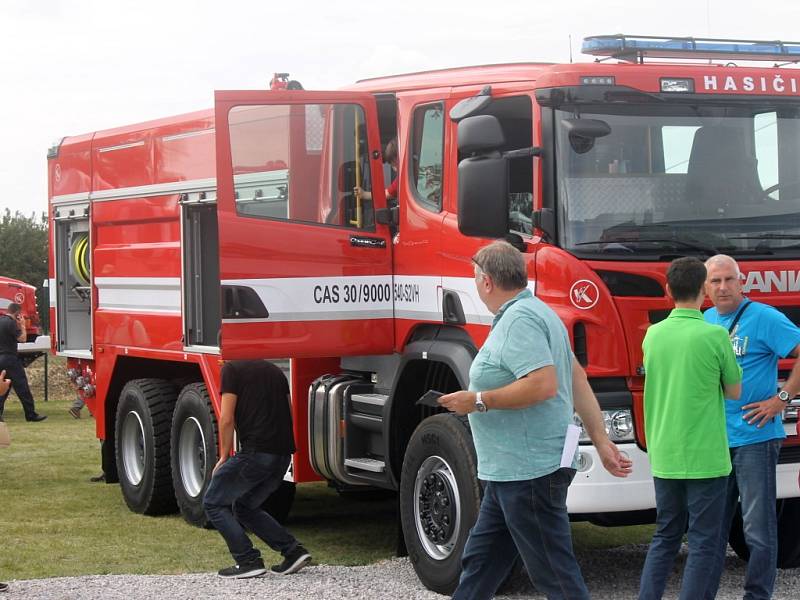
[
  {"x": 4, "y": 385},
  {"x": 12, "y": 331},
  {"x": 256, "y": 402}
]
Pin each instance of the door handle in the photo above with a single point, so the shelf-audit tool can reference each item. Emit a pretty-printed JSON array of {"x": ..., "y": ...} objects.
[{"x": 360, "y": 241}]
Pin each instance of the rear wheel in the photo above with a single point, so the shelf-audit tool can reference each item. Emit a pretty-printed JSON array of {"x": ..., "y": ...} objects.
[
  {"x": 194, "y": 451},
  {"x": 788, "y": 511},
  {"x": 144, "y": 414},
  {"x": 439, "y": 499}
]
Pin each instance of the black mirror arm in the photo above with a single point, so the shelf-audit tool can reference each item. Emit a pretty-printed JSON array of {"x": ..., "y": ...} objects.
[
  {"x": 524, "y": 152},
  {"x": 388, "y": 216}
]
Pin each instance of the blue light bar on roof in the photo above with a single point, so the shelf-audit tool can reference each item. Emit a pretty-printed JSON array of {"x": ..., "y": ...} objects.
[{"x": 635, "y": 47}]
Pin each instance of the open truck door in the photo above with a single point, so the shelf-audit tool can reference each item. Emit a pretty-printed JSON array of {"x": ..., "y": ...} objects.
[{"x": 305, "y": 266}]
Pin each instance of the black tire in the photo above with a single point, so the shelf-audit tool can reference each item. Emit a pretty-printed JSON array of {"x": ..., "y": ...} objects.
[
  {"x": 193, "y": 442},
  {"x": 439, "y": 470},
  {"x": 142, "y": 429},
  {"x": 279, "y": 504},
  {"x": 788, "y": 511}
]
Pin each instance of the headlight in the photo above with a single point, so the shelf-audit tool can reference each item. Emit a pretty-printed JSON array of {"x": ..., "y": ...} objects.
[
  {"x": 618, "y": 424},
  {"x": 621, "y": 426}
]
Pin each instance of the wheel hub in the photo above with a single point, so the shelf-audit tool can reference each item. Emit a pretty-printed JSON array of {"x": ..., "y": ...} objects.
[
  {"x": 192, "y": 456},
  {"x": 133, "y": 448},
  {"x": 437, "y": 510}
]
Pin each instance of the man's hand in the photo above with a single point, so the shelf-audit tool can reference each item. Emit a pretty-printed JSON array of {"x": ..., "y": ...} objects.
[
  {"x": 461, "y": 403},
  {"x": 220, "y": 462},
  {"x": 764, "y": 411},
  {"x": 613, "y": 460},
  {"x": 4, "y": 383}
]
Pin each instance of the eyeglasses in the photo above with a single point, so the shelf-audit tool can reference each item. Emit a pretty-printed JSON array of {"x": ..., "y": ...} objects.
[{"x": 481, "y": 270}]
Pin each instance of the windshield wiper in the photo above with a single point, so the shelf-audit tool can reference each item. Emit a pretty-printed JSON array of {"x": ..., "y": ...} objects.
[
  {"x": 766, "y": 236},
  {"x": 710, "y": 250}
]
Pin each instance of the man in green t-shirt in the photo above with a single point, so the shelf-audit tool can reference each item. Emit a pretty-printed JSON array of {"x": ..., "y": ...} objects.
[{"x": 689, "y": 365}]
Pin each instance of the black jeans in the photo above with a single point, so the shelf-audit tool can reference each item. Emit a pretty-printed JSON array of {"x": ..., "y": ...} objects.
[
  {"x": 19, "y": 381},
  {"x": 233, "y": 503}
]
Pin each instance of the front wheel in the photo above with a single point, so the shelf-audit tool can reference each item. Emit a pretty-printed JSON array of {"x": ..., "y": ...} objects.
[
  {"x": 788, "y": 511},
  {"x": 439, "y": 499}
]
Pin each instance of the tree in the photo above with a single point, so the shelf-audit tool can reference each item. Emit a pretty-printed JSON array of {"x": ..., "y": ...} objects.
[{"x": 23, "y": 252}]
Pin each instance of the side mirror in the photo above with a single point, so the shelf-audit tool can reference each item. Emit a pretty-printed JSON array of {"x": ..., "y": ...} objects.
[
  {"x": 483, "y": 196},
  {"x": 482, "y": 178},
  {"x": 481, "y": 133},
  {"x": 583, "y": 132},
  {"x": 472, "y": 106}
]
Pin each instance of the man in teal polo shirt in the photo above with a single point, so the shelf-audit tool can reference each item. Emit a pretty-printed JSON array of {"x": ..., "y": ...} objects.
[
  {"x": 688, "y": 364},
  {"x": 520, "y": 404}
]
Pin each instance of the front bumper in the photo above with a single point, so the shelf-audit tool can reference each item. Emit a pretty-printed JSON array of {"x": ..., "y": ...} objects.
[{"x": 595, "y": 490}]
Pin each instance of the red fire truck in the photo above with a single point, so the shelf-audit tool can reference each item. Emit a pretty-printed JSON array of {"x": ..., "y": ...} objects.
[
  {"x": 260, "y": 229},
  {"x": 19, "y": 292}
]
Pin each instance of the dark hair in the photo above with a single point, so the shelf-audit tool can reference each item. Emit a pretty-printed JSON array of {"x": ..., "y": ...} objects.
[
  {"x": 686, "y": 277},
  {"x": 13, "y": 308},
  {"x": 390, "y": 152}
]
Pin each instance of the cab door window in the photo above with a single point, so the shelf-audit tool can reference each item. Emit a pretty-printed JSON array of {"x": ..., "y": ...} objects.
[
  {"x": 303, "y": 163},
  {"x": 427, "y": 147}
]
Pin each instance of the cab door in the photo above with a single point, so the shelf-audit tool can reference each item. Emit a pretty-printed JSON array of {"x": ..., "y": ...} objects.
[{"x": 305, "y": 268}]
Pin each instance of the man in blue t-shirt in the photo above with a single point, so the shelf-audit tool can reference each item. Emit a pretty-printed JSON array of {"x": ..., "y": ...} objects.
[
  {"x": 760, "y": 335},
  {"x": 523, "y": 383}
]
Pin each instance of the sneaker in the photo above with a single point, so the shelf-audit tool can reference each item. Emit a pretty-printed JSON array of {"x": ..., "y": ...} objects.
[
  {"x": 254, "y": 568},
  {"x": 75, "y": 412},
  {"x": 293, "y": 562},
  {"x": 35, "y": 418},
  {"x": 3, "y": 587},
  {"x": 98, "y": 478}
]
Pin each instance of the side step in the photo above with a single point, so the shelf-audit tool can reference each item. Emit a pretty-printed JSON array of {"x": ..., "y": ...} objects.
[{"x": 366, "y": 464}]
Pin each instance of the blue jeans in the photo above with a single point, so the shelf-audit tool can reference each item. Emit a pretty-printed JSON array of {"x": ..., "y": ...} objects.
[
  {"x": 698, "y": 502},
  {"x": 233, "y": 503},
  {"x": 752, "y": 480},
  {"x": 527, "y": 518}
]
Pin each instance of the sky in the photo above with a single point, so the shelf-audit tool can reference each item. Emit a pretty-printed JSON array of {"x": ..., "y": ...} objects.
[{"x": 70, "y": 67}]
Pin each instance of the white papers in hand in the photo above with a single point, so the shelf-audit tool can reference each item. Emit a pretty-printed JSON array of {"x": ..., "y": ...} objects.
[{"x": 570, "y": 444}]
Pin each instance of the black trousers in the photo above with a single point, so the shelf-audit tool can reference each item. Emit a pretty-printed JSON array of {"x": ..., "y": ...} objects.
[{"x": 19, "y": 381}]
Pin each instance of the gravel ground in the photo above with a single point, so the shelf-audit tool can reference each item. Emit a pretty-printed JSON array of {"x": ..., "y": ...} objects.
[{"x": 610, "y": 575}]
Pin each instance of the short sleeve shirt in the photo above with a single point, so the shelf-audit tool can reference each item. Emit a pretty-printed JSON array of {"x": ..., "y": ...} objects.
[
  {"x": 762, "y": 335},
  {"x": 8, "y": 335},
  {"x": 521, "y": 444},
  {"x": 262, "y": 417},
  {"x": 686, "y": 361},
  {"x": 391, "y": 191}
]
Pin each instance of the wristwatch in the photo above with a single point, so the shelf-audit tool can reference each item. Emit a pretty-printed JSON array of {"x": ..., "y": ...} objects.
[
  {"x": 784, "y": 396},
  {"x": 480, "y": 405}
]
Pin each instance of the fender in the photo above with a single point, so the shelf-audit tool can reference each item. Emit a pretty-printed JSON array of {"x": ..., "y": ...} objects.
[{"x": 451, "y": 346}]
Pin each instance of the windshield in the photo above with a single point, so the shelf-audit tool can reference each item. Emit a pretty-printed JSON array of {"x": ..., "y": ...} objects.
[{"x": 672, "y": 179}]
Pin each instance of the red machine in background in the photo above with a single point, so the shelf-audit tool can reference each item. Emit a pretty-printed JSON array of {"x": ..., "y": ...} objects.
[
  {"x": 19, "y": 292},
  {"x": 260, "y": 229}
]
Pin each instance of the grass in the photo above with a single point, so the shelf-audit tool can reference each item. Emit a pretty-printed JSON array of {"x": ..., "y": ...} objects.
[{"x": 54, "y": 522}]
